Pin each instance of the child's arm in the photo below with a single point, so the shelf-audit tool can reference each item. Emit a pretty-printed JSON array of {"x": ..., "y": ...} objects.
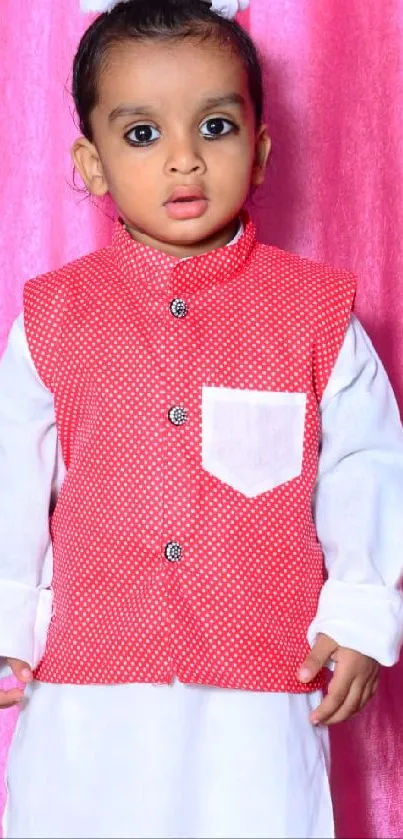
[
  {"x": 359, "y": 519},
  {"x": 28, "y": 445}
]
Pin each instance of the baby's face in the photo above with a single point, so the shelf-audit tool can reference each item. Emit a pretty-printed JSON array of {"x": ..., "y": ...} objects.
[{"x": 175, "y": 142}]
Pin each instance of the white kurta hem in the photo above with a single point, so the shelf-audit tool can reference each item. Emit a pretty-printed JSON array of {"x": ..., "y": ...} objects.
[{"x": 167, "y": 761}]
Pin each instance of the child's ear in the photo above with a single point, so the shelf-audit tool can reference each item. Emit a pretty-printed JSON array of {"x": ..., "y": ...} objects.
[
  {"x": 86, "y": 159},
  {"x": 262, "y": 151}
]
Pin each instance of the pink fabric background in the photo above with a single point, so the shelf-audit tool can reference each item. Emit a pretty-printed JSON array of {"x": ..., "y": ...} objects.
[{"x": 334, "y": 107}]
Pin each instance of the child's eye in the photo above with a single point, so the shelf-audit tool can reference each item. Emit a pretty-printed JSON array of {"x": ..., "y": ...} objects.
[
  {"x": 216, "y": 127},
  {"x": 142, "y": 135}
]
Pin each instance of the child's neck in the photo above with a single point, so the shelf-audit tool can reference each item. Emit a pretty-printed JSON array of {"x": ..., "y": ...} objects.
[{"x": 182, "y": 251}]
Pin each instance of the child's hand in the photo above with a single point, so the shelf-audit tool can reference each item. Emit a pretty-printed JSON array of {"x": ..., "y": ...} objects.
[
  {"x": 22, "y": 671},
  {"x": 354, "y": 682}
]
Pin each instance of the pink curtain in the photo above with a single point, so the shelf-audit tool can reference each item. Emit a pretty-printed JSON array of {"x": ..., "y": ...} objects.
[{"x": 334, "y": 107}]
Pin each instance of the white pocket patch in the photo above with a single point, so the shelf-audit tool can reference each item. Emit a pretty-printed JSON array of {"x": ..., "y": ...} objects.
[{"x": 251, "y": 439}]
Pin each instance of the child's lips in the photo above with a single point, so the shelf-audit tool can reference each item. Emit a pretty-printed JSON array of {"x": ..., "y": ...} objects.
[{"x": 186, "y": 203}]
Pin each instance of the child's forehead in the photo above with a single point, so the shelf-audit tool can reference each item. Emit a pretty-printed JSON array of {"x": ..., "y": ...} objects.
[{"x": 159, "y": 68}]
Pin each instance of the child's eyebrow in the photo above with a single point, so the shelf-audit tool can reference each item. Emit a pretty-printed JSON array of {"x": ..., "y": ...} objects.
[
  {"x": 212, "y": 103},
  {"x": 130, "y": 111}
]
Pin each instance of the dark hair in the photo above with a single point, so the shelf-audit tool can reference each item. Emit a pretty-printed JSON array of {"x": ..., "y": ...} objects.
[{"x": 166, "y": 19}]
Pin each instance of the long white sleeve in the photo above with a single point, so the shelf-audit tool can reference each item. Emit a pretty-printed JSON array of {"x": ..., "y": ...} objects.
[
  {"x": 28, "y": 472},
  {"x": 358, "y": 505}
]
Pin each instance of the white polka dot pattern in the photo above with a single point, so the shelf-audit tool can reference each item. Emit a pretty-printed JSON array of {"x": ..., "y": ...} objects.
[{"x": 161, "y": 569}]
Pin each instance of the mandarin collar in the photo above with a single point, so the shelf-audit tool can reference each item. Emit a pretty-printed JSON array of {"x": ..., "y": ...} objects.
[{"x": 140, "y": 263}]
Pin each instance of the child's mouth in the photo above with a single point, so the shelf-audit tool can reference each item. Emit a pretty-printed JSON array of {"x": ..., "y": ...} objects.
[{"x": 186, "y": 203}]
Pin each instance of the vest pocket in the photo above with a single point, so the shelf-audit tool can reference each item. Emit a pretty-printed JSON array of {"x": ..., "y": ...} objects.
[{"x": 252, "y": 440}]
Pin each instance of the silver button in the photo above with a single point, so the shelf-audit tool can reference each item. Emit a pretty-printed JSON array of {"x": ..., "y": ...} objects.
[
  {"x": 178, "y": 308},
  {"x": 173, "y": 551},
  {"x": 177, "y": 416}
]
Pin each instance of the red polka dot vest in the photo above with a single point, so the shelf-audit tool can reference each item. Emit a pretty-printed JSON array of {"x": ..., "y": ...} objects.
[{"x": 187, "y": 400}]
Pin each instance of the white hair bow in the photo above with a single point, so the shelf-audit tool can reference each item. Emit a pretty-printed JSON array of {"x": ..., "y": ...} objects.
[
  {"x": 225, "y": 8},
  {"x": 229, "y": 8}
]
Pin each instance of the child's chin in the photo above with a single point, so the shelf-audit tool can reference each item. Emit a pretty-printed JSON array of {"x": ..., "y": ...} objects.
[{"x": 190, "y": 232}]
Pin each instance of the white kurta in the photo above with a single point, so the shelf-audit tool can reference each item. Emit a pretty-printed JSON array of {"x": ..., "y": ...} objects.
[{"x": 141, "y": 760}]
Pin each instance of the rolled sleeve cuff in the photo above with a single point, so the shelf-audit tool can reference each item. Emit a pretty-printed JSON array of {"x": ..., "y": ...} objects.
[
  {"x": 365, "y": 618},
  {"x": 25, "y": 615}
]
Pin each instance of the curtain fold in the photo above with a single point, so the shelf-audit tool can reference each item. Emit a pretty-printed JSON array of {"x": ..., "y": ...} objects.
[{"x": 333, "y": 192}]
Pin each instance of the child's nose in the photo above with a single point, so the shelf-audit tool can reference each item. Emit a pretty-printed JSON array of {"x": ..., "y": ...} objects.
[{"x": 184, "y": 159}]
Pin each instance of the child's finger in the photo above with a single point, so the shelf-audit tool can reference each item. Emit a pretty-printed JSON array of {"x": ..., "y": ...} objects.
[
  {"x": 339, "y": 706},
  {"x": 338, "y": 691},
  {"x": 21, "y": 670},
  {"x": 366, "y": 695},
  {"x": 374, "y": 686},
  {"x": 320, "y": 653},
  {"x": 369, "y": 690},
  {"x": 8, "y": 698},
  {"x": 326, "y": 709},
  {"x": 349, "y": 707}
]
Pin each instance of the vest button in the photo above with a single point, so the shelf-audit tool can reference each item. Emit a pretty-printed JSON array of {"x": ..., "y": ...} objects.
[
  {"x": 173, "y": 551},
  {"x": 177, "y": 416},
  {"x": 178, "y": 308}
]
